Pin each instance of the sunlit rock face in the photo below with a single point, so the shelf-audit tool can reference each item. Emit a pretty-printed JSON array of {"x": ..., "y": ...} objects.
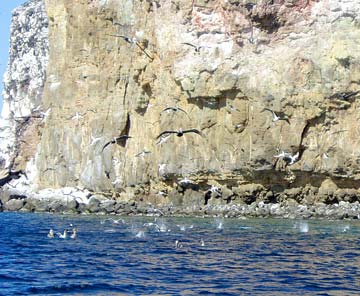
[
  {"x": 23, "y": 85},
  {"x": 222, "y": 62}
]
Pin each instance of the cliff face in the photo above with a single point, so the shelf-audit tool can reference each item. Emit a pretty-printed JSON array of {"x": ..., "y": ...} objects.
[
  {"x": 23, "y": 86},
  {"x": 222, "y": 62}
]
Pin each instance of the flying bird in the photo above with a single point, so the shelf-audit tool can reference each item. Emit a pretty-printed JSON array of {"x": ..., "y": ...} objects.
[
  {"x": 249, "y": 6},
  {"x": 289, "y": 158},
  {"x": 175, "y": 109},
  {"x": 277, "y": 116},
  {"x": 133, "y": 40},
  {"x": 142, "y": 153},
  {"x": 117, "y": 140},
  {"x": 130, "y": 40},
  {"x": 344, "y": 95},
  {"x": 94, "y": 140},
  {"x": 179, "y": 133},
  {"x": 196, "y": 48},
  {"x": 185, "y": 181}
]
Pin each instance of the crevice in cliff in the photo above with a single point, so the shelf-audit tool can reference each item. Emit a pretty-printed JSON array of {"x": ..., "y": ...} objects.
[
  {"x": 265, "y": 16},
  {"x": 213, "y": 102},
  {"x": 125, "y": 131}
]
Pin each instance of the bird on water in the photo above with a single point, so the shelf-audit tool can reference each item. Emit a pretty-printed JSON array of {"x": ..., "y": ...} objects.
[
  {"x": 121, "y": 140},
  {"x": 51, "y": 234},
  {"x": 74, "y": 233},
  {"x": 64, "y": 235}
]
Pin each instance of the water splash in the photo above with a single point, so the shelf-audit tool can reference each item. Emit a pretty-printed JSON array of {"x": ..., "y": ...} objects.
[
  {"x": 219, "y": 222},
  {"x": 302, "y": 227}
]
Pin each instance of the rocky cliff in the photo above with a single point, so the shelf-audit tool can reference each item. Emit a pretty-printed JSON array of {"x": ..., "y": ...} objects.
[{"x": 268, "y": 89}]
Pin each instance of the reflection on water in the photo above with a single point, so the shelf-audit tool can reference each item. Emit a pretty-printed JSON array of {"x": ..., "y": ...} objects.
[{"x": 139, "y": 256}]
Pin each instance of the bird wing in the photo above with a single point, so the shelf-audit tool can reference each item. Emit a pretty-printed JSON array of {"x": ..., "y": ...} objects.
[
  {"x": 187, "y": 43},
  {"x": 126, "y": 38},
  {"x": 137, "y": 155},
  {"x": 123, "y": 137},
  {"x": 168, "y": 108},
  {"x": 267, "y": 109},
  {"x": 121, "y": 140},
  {"x": 164, "y": 133},
  {"x": 349, "y": 95},
  {"x": 142, "y": 152},
  {"x": 107, "y": 144},
  {"x": 194, "y": 130},
  {"x": 285, "y": 119},
  {"x": 182, "y": 110}
]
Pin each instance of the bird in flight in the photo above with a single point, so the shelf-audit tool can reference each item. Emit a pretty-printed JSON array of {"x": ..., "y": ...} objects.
[
  {"x": 121, "y": 140},
  {"x": 277, "y": 116},
  {"x": 133, "y": 40},
  {"x": 344, "y": 95},
  {"x": 175, "y": 109},
  {"x": 179, "y": 133},
  {"x": 130, "y": 40},
  {"x": 196, "y": 48},
  {"x": 142, "y": 153},
  {"x": 289, "y": 158}
]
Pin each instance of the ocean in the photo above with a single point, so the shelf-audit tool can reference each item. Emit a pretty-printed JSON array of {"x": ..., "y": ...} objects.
[{"x": 177, "y": 256}]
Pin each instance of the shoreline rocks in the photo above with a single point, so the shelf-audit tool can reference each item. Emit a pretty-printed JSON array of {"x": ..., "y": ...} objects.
[{"x": 77, "y": 201}]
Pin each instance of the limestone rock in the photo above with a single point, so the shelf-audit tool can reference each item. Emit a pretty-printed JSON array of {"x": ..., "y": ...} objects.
[
  {"x": 14, "y": 205},
  {"x": 24, "y": 80},
  {"x": 72, "y": 86}
]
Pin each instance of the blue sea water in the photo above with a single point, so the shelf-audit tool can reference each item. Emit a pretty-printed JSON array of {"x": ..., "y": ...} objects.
[{"x": 130, "y": 257}]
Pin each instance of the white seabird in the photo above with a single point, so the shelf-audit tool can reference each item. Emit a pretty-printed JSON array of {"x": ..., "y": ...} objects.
[
  {"x": 64, "y": 235},
  {"x": 94, "y": 140},
  {"x": 185, "y": 181},
  {"x": 51, "y": 234},
  {"x": 178, "y": 244},
  {"x": 74, "y": 233},
  {"x": 277, "y": 117}
]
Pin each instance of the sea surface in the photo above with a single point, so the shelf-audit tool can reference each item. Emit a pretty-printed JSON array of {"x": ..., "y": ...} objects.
[{"x": 177, "y": 256}]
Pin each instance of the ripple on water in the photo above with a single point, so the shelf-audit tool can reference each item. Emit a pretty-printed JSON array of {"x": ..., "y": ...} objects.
[{"x": 253, "y": 256}]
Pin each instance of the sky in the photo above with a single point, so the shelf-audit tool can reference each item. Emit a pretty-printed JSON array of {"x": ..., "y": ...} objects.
[{"x": 6, "y": 7}]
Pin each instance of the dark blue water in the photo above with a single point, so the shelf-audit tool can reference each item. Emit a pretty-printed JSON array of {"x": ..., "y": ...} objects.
[{"x": 245, "y": 257}]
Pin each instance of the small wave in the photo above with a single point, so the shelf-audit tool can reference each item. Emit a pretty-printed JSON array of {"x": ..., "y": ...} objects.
[
  {"x": 110, "y": 230},
  {"x": 8, "y": 277},
  {"x": 64, "y": 288}
]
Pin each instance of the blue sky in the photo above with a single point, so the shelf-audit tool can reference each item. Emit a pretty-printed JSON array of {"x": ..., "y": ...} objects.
[{"x": 6, "y": 7}]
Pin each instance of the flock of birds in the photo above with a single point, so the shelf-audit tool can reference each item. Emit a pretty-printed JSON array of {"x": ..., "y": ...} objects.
[
  {"x": 63, "y": 235},
  {"x": 163, "y": 136},
  {"x": 160, "y": 226},
  {"x": 120, "y": 140},
  {"x": 140, "y": 232},
  {"x": 287, "y": 157}
]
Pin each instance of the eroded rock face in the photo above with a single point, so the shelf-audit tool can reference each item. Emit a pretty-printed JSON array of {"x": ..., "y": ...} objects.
[
  {"x": 222, "y": 62},
  {"x": 23, "y": 86}
]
